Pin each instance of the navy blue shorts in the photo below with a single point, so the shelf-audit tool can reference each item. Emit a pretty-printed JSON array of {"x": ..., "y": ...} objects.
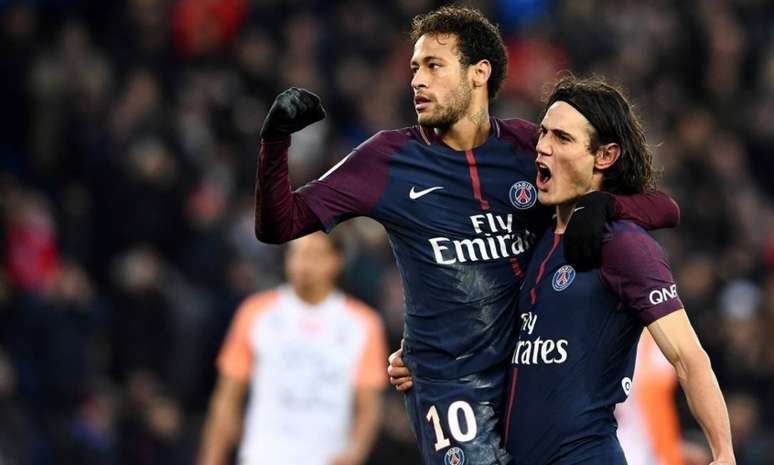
[
  {"x": 603, "y": 451},
  {"x": 458, "y": 422}
]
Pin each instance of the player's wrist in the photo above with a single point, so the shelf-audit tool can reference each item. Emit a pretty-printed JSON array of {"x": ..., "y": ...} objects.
[
  {"x": 282, "y": 139},
  {"x": 359, "y": 454},
  {"x": 724, "y": 458}
]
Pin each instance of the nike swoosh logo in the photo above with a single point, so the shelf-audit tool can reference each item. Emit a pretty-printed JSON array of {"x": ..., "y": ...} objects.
[{"x": 413, "y": 195}]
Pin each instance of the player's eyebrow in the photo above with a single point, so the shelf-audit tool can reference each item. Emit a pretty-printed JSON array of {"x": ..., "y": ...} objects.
[
  {"x": 559, "y": 133},
  {"x": 425, "y": 59}
]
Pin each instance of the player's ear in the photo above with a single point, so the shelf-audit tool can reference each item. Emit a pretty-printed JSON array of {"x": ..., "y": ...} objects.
[
  {"x": 606, "y": 156},
  {"x": 481, "y": 72}
]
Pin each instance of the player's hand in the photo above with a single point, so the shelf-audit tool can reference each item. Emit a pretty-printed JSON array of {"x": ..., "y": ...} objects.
[
  {"x": 292, "y": 111},
  {"x": 583, "y": 236},
  {"x": 400, "y": 375}
]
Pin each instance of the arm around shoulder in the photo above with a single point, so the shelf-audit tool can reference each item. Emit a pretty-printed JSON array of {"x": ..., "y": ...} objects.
[{"x": 651, "y": 210}]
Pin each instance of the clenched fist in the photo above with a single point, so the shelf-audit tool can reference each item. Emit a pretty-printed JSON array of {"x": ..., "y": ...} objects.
[{"x": 292, "y": 110}]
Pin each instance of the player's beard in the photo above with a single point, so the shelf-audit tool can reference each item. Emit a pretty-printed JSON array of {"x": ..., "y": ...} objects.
[{"x": 446, "y": 115}]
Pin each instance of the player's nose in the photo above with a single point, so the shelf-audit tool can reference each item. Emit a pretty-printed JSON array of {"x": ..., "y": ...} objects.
[
  {"x": 543, "y": 147},
  {"x": 418, "y": 81}
]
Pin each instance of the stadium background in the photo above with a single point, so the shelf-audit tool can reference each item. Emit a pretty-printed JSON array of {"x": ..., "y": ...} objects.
[{"x": 129, "y": 137}]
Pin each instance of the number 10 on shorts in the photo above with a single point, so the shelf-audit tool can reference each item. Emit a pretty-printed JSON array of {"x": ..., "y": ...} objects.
[{"x": 453, "y": 419}]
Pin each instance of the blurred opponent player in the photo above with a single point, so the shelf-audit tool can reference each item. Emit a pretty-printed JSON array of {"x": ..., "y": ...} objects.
[
  {"x": 575, "y": 356},
  {"x": 457, "y": 198},
  {"x": 284, "y": 344}
]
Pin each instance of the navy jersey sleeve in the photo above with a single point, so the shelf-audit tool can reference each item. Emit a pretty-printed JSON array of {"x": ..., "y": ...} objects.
[
  {"x": 635, "y": 268},
  {"x": 354, "y": 185},
  {"x": 651, "y": 210},
  {"x": 280, "y": 215}
]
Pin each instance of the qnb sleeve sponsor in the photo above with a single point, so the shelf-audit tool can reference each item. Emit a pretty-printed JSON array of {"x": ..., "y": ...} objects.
[{"x": 636, "y": 269}]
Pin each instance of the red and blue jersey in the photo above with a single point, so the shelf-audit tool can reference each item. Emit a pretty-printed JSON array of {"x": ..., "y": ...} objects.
[
  {"x": 461, "y": 225},
  {"x": 574, "y": 359}
]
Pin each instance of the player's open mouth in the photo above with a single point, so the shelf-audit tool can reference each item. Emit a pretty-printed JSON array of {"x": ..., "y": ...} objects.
[
  {"x": 543, "y": 175},
  {"x": 421, "y": 102}
]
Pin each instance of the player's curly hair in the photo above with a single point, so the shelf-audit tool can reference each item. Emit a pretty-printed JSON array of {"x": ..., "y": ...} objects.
[
  {"x": 612, "y": 120},
  {"x": 478, "y": 39}
]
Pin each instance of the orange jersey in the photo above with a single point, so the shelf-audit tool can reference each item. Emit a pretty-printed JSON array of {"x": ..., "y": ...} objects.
[
  {"x": 648, "y": 427},
  {"x": 303, "y": 363}
]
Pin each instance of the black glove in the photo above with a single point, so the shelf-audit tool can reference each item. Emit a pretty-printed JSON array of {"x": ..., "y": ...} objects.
[
  {"x": 583, "y": 236},
  {"x": 292, "y": 111}
]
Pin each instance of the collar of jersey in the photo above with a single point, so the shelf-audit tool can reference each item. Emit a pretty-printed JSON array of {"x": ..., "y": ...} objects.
[{"x": 428, "y": 135}]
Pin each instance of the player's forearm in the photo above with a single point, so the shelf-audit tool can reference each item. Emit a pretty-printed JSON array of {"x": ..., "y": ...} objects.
[
  {"x": 706, "y": 402},
  {"x": 651, "y": 210},
  {"x": 280, "y": 214},
  {"x": 368, "y": 418},
  {"x": 220, "y": 434}
]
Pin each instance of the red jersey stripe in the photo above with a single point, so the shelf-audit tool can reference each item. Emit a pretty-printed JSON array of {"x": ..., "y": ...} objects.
[
  {"x": 474, "y": 179},
  {"x": 542, "y": 269}
]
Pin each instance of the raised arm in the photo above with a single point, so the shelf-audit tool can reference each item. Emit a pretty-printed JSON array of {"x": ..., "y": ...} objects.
[
  {"x": 677, "y": 340},
  {"x": 282, "y": 215},
  {"x": 351, "y": 188}
]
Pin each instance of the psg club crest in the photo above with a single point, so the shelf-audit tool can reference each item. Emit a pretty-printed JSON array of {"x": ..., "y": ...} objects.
[
  {"x": 523, "y": 195},
  {"x": 563, "y": 277},
  {"x": 454, "y": 456}
]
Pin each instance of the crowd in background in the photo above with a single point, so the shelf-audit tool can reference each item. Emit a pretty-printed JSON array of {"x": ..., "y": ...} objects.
[{"x": 127, "y": 159}]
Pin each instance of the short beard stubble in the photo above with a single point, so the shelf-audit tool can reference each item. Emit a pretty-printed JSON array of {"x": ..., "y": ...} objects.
[{"x": 459, "y": 103}]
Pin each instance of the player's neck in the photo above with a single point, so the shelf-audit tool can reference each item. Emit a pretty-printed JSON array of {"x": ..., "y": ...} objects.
[
  {"x": 564, "y": 211},
  {"x": 563, "y": 215},
  {"x": 313, "y": 295},
  {"x": 469, "y": 131}
]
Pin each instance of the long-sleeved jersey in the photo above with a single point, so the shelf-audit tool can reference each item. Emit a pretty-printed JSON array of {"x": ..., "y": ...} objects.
[
  {"x": 461, "y": 225},
  {"x": 574, "y": 359}
]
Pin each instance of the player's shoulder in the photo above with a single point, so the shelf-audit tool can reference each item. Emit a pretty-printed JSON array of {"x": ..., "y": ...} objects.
[
  {"x": 387, "y": 141},
  {"x": 518, "y": 131},
  {"x": 626, "y": 230},
  {"x": 628, "y": 244},
  {"x": 260, "y": 302},
  {"x": 517, "y": 126},
  {"x": 361, "y": 310},
  {"x": 255, "y": 308},
  {"x": 626, "y": 233}
]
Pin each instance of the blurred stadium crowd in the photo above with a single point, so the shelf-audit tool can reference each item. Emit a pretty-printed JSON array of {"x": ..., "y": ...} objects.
[{"x": 127, "y": 158}]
